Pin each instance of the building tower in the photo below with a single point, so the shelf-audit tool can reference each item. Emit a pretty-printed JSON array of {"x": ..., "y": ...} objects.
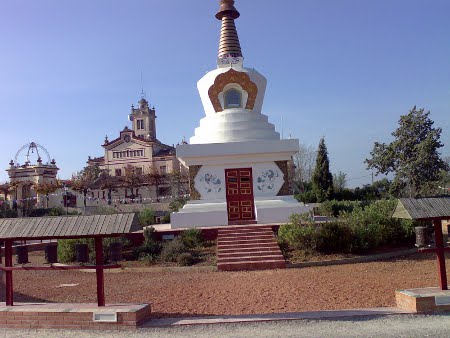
[
  {"x": 143, "y": 119},
  {"x": 239, "y": 166}
]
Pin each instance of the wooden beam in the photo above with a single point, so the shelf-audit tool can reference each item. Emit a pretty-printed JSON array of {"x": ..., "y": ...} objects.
[
  {"x": 440, "y": 254},
  {"x": 8, "y": 274},
  {"x": 99, "y": 271}
]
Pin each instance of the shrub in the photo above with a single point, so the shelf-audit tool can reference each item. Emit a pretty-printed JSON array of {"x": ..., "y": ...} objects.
[
  {"x": 149, "y": 247},
  {"x": 171, "y": 250},
  {"x": 66, "y": 249},
  {"x": 306, "y": 197},
  {"x": 67, "y": 253},
  {"x": 186, "y": 259},
  {"x": 192, "y": 238},
  {"x": 373, "y": 226},
  {"x": 147, "y": 217},
  {"x": 335, "y": 208},
  {"x": 298, "y": 236},
  {"x": 178, "y": 203},
  {"x": 334, "y": 237}
]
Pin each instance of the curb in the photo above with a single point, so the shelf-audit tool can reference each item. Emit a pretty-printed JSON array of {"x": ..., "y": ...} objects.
[
  {"x": 363, "y": 259},
  {"x": 268, "y": 317}
]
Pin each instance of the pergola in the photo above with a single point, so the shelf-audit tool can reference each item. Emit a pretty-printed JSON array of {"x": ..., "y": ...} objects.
[
  {"x": 64, "y": 227},
  {"x": 435, "y": 209}
]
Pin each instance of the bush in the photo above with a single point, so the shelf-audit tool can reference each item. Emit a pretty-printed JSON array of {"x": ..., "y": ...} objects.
[
  {"x": 67, "y": 253},
  {"x": 334, "y": 237},
  {"x": 335, "y": 208},
  {"x": 171, "y": 250},
  {"x": 373, "y": 226},
  {"x": 192, "y": 238},
  {"x": 362, "y": 226},
  {"x": 186, "y": 259},
  {"x": 178, "y": 203},
  {"x": 150, "y": 247},
  {"x": 147, "y": 217},
  {"x": 306, "y": 197},
  {"x": 66, "y": 249}
]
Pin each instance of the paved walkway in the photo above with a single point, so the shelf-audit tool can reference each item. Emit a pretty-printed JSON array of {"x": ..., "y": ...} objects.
[{"x": 373, "y": 326}]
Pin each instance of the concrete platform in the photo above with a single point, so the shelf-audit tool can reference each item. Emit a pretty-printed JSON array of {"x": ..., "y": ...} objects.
[
  {"x": 312, "y": 315},
  {"x": 73, "y": 316},
  {"x": 424, "y": 300}
]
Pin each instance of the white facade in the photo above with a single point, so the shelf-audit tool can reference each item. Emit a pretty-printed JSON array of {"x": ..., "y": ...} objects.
[{"x": 234, "y": 134}]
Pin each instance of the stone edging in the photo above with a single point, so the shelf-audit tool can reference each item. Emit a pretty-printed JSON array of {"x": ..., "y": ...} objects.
[{"x": 354, "y": 260}]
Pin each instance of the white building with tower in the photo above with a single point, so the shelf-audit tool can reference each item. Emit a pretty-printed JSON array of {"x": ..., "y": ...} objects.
[{"x": 238, "y": 165}]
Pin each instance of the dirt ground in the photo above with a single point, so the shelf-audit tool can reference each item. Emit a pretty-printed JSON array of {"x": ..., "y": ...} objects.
[{"x": 224, "y": 293}]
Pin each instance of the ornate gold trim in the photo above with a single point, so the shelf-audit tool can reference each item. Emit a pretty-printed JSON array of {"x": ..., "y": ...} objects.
[
  {"x": 285, "y": 189},
  {"x": 193, "y": 171},
  {"x": 232, "y": 76}
]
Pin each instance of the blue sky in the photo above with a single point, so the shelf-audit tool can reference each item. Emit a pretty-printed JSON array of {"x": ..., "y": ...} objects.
[{"x": 346, "y": 70}]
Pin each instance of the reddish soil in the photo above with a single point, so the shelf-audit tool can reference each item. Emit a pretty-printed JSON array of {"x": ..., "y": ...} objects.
[{"x": 224, "y": 293}]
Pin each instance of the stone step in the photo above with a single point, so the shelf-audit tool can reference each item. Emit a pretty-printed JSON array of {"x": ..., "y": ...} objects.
[
  {"x": 242, "y": 246},
  {"x": 249, "y": 251},
  {"x": 251, "y": 258},
  {"x": 243, "y": 229},
  {"x": 245, "y": 236},
  {"x": 246, "y": 241},
  {"x": 252, "y": 265}
]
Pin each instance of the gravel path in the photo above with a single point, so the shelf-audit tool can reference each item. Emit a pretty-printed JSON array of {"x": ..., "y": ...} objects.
[
  {"x": 176, "y": 294},
  {"x": 389, "y": 326}
]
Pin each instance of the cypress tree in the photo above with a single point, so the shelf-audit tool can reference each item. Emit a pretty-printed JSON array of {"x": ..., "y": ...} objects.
[{"x": 322, "y": 180}]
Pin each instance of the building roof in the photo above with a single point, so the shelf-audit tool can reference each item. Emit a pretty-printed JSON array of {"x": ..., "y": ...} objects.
[
  {"x": 423, "y": 208},
  {"x": 68, "y": 226}
]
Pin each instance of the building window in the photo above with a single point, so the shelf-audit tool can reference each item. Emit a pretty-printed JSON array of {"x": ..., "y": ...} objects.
[
  {"x": 163, "y": 170},
  {"x": 118, "y": 172},
  {"x": 138, "y": 171},
  {"x": 232, "y": 99},
  {"x": 140, "y": 124}
]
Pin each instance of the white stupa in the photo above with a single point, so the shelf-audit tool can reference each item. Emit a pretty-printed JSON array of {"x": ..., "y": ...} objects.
[{"x": 239, "y": 167}]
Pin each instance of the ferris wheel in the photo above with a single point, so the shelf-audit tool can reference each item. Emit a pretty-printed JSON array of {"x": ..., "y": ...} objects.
[{"x": 32, "y": 148}]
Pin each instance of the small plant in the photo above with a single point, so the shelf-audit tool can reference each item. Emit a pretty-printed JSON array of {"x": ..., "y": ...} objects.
[
  {"x": 186, "y": 259},
  {"x": 178, "y": 203},
  {"x": 150, "y": 246},
  {"x": 147, "y": 217},
  {"x": 192, "y": 238},
  {"x": 171, "y": 250}
]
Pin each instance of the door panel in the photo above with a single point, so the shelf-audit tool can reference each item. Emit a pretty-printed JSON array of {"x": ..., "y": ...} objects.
[{"x": 239, "y": 192}]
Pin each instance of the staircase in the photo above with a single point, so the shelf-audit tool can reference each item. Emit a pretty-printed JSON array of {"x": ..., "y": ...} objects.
[{"x": 248, "y": 248}]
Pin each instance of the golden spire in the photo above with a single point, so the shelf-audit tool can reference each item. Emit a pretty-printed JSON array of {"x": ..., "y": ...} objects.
[{"x": 229, "y": 40}]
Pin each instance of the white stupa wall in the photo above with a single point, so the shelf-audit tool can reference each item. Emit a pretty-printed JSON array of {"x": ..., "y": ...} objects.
[{"x": 267, "y": 180}]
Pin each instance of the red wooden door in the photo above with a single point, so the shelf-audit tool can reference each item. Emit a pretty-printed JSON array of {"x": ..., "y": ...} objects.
[{"x": 239, "y": 192}]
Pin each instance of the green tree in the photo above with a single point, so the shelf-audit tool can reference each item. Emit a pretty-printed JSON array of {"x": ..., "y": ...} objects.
[
  {"x": 413, "y": 156},
  {"x": 322, "y": 179}
]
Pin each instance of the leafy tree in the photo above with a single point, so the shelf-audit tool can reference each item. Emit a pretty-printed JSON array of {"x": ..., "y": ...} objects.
[
  {"x": 45, "y": 189},
  {"x": 133, "y": 179},
  {"x": 108, "y": 183},
  {"x": 322, "y": 179},
  {"x": 4, "y": 190},
  {"x": 413, "y": 156},
  {"x": 156, "y": 179},
  {"x": 84, "y": 180}
]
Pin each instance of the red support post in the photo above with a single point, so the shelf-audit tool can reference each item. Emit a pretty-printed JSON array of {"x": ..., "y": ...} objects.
[
  {"x": 99, "y": 272},
  {"x": 8, "y": 274},
  {"x": 440, "y": 254}
]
